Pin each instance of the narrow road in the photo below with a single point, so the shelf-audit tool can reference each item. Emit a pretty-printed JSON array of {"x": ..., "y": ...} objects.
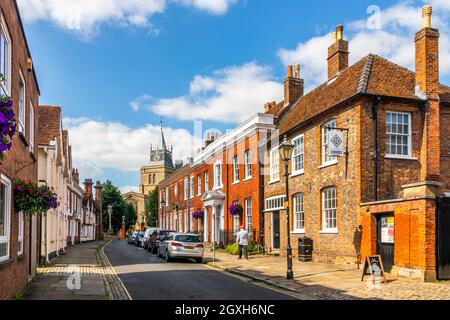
[{"x": 148, "y": 277}]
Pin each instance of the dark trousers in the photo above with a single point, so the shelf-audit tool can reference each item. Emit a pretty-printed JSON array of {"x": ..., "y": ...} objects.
[{"x": 244, "y": 250}]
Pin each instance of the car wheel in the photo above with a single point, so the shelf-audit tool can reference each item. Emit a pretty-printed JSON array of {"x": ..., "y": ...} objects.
[{"x": 168, "y": 258}]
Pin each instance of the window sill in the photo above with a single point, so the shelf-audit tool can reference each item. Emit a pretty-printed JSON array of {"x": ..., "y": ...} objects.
[
  {"x": 301, "y": 231},
  {"x": 235, "y": 183},
  {"x": 218, "y": 188},
  {"x": 298, "y": 173},
  {"x": 248, "y": 179},
  {"x": 21, "y": 257},
  {"x": 5, "y": 263},
  {"x": 395, "y": 157},
  {"x": 329, "y": 231},
  {"x": 274, "y": 181},
  {"x": 23, "y": 139},
  {"x": 328, "y": 164}
]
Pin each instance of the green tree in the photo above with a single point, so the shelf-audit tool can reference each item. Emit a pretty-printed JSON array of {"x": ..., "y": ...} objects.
[
  {"x": 151, "y": 209},
  {"x": 112, "y": 197}
]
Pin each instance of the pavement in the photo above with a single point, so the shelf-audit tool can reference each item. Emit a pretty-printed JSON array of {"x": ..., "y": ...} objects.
[
  {"x": 82, "y": 273},
  {"x": 148, "y": 277},
  {"x": 317, "y": 281}
]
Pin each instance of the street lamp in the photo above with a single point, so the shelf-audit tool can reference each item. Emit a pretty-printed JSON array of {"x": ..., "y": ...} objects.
[
  {"x": 286, "y": 150},
  {"x": 110, "y": 211}
]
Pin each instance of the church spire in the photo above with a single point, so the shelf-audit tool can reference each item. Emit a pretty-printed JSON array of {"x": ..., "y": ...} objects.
[{"x": 163, "y": 140}]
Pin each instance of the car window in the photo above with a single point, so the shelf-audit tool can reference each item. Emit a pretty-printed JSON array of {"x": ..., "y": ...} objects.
[{"x": 186, "y": 238}]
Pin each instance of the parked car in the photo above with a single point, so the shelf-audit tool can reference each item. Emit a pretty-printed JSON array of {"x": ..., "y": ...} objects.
[
  {"x": 147, "y": 235},
  {"x": 139, "y": 239},
  {"x": 180, "y": 245},
  {"x": 156, "y": 238},
  {"x": 132, "y": 237}
]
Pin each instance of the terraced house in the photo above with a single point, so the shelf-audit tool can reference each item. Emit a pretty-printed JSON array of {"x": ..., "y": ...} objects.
[
  {"x": 226, "y": 171},
  {"x": 18, "y": 233},
  {"x": 386, "y": 193}
]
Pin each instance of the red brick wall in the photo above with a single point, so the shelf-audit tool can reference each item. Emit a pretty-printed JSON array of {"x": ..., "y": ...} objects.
[
  {"x": 14, "y": 274},
  {"x": 445, "y": 147}
]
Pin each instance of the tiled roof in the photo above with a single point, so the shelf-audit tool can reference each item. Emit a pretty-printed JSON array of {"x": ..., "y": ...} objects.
[
  {"x": 371, "y": 75},
  {"x": 49, "y": 124},
  {"x": 444, "y": 93}
]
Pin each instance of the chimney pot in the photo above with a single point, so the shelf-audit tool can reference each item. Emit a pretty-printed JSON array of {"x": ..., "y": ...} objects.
[
  {"x": 334, "y": 37},
  {"x": 289, "y": 72},
  {"x": 340, "y": 32},
  {"x": 427, "y": 11}
]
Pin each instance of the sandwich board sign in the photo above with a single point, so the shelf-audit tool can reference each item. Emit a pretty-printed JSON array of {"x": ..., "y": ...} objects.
[
  {"x": 373, "y": 266},
  {"x": 336, "y": 143}
]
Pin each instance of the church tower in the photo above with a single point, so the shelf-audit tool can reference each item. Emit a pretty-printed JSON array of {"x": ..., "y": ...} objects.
[{"x": 160, "y": 167}]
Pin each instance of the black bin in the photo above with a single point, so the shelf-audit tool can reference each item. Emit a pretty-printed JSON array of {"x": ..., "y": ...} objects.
[{"x": 305, "y": 249}]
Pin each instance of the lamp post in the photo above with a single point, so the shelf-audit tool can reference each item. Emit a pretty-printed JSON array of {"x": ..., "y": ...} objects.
[
  {"x": 110, "y": 223},
  {"x": 286, "y": 150}
]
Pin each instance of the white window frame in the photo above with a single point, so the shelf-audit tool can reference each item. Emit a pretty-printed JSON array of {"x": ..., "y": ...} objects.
[
  {"x": 326, "y": 158},
  {"x": 22, "y": 105},
  {"x": 275, "y": 203},
  {"x": 236, "y": 169},
  {"x": 218, "y": 183},
  {"x": 199, "y": 185},
  {"x": 5, "y": 239},
  {"x": 274, "y": 165},
  {"x": 408, "y": 135},
  {"x": 186, "y": 222},
  {"x": 248, "y": 165},
  {"x": 5, "y": 86},
  {"x": 206, "y": 181},
  {"x": 186, "y": 188},
  {"x": 20, "y": 237},
  {"x": 328, "y": 207},
  {"x": 175, "y": 190},
  {"x": 299, "y": 212},
  {"x": 248, "y": 214},
  {"x": 191, "y": 220},
  {"x": 192, "y": 186},
  {"x": 167, "y": 191},
  {"x": 298, "y": 154},
  {"x": 236, "y": 222}
]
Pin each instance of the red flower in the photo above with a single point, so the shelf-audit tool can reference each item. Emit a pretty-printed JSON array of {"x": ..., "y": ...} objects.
[
  {"x": 20, "y": 188},
  {"x": 23, "y": 199}
]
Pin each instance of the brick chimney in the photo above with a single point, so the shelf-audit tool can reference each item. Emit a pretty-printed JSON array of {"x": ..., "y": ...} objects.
[
  {"x": 269, "y": 106},
  {"x": 293, "y": 85},
  {"x": 427, "y": 55},
  {"x": 98, "y": 191},
  {"x": 427, "y": 83},
  {"x": 88, "y": 186},
  {"x": 76, "y": 176},
  {"x": 337, "y": 53}
]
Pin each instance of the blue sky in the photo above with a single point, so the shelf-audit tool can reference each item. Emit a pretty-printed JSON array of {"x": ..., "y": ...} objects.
[{"x": 117, "y": 69}]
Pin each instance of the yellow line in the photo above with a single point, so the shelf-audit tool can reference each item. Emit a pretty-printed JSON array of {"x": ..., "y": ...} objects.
[{"x": 115, "y": 272}]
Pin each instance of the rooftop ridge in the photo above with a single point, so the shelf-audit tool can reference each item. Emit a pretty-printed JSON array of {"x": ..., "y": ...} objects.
[{"x": 365, "y": 75}]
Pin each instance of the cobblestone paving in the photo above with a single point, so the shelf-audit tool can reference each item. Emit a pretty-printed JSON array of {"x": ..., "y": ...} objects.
[{"x": 329, "y": 282}]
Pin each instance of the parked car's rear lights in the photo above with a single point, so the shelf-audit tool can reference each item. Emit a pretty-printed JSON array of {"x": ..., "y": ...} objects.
[
  {"x": 176, "y": 244},
  {"x": 200, "y": 245}
]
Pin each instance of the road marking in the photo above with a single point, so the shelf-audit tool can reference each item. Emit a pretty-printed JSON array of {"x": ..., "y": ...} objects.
[
  {"x": 114, "y": 271},
  {"x": 254, "y": 282}
]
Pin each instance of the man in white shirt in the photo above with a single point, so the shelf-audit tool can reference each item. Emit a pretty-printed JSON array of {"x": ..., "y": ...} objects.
[{"x": 242, "y": 241}]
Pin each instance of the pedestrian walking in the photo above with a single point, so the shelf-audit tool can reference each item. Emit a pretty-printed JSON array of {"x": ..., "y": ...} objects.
[{"x": 242, "y": 241}]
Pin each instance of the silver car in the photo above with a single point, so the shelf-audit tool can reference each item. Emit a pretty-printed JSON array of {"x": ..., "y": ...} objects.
[{"x": 181, "y": 245}]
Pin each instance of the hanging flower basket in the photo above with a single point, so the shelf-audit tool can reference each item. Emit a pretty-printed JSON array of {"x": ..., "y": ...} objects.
[
  {"x": 199, "y": 214},
  {"x": 34, "y": 200},
  {"x": 236, "y": 209},
  {"x": 7, "y": 125}
]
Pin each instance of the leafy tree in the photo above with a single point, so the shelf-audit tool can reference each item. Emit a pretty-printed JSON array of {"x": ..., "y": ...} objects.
[
  {"x": 151, "y": 209},
  {"x": 113, "y": 197}
]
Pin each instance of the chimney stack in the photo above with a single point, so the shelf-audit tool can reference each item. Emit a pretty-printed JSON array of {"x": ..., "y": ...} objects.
[
  {"x": 338, "y": 53},
  {"x": 76, "y": 176},
  {"x": 98, "y": 191},
  {"x": 293, "y": 85},
  {"x": 427, "y": 56},
  {"x": 88, "y": 186}
]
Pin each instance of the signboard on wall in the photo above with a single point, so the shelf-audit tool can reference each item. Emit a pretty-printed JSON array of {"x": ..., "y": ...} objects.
[
  {"x": 387, "y": 229},
  {"x": 336, "y": 143}
]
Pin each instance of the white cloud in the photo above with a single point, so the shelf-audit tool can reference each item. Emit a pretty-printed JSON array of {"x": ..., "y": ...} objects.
[
  {"x": 230, "y": 95},
  {"x": 394, "y": 40},
  {"x": 217, "y": 7},
  {"x": 137, "y": 103},
  {"x": 98, "y": 145},
  {"x": 127, "y": 189},
  {"x": 84, "y": 17}
]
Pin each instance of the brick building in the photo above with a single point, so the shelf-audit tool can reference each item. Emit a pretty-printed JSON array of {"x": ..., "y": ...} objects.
[
  {"x": 380, "y": 197},
  {"x": 18, "y": 234},
  {"x": 227, "y": 170}
]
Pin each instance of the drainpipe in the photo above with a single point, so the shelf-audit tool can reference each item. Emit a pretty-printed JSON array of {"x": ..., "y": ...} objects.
[
  {"x": 375, "y": 143},
  {"x": 225, "y": 213}
]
